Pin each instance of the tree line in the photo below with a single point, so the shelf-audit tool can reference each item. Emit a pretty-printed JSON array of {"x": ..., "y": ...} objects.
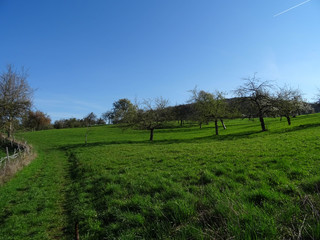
[
  {"x": 253, "y": 99},
  {"x": 89, "y": 120}
]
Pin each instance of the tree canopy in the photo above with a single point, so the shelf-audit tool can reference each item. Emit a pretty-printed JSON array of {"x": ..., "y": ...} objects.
[
  {"x": 209, "y": 106},
  {"x": 122, "y": 112},
  {"x": 288, "y": 102},
  {"x": 15, "y": 97},
  {"x": 37, "y": 120}
]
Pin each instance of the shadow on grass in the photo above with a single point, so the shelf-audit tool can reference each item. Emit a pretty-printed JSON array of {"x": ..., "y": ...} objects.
[
  {"x": 297, "y": 128},
  {"x": 80, "y": 199},
  {"x": 72, "y": 196},
  {"x": 228, "y": 137}
]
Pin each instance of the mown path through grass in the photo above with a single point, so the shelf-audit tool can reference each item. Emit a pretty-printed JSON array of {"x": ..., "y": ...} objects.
[
  {"x": 187, "y": 184},
  {"x": 32, "y": 203}
]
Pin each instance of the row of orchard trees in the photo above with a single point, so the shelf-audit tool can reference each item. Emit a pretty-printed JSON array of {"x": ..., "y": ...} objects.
[
  {"x": 255, "y": 99},
  {"x": 149, "y": 115},
  {"x": 261, "y": 99}
]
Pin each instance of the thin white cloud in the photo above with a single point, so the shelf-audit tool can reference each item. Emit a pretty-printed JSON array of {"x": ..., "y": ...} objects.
[{"x": 278, "y": 14}]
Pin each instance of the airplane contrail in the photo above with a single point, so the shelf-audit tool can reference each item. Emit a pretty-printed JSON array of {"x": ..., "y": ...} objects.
[{"x": 291, "y": 8}]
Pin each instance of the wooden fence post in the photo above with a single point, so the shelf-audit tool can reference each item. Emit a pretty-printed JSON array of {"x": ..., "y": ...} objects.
[
  {"x": 7, "y": 154},
  {"x": 5, "y": 162}
]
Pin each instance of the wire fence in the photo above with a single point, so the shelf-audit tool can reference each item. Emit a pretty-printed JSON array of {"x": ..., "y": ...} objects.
[{"x": 20, "y": 151}]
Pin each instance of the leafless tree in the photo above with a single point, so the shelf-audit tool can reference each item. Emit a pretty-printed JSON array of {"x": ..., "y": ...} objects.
[
  {"x": 89, "y": 120},
  {"x": 289, "y": 102},
  {"x": 255, "y": 94},
  {"x": 152, "y": 114},
  {"x": 15, "y": 97}
]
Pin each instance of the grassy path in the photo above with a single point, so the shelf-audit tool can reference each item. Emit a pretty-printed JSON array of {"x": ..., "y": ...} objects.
[{"x": 32, "y": 203}]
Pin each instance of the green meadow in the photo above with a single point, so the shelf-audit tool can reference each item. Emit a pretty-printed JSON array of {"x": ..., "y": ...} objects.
[
  {"x": 186, "y": 184},
  {"x": 2, "y": 152}
]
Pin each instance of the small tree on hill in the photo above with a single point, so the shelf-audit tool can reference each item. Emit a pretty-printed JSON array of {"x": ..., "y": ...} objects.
[
  {"x": 15, "y": 97},
  {"x": 256, "y": 94},
  {"x": 289, "y": 102},
  {"x": 122, "y": 112},
  {"x": 202, "y": 102},
  {"x": 89, "y": 120},
  {"x": 209, "y": 106},
  {"x": 152, "y": 115},
  {"x": 220, "y": 110}
]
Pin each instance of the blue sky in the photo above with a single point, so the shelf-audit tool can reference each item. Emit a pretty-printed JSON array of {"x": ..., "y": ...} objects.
[{"x": 84, "y": 55}]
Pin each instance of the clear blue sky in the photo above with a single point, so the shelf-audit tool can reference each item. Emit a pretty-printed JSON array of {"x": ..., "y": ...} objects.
[{"x": 84, "y": 55}]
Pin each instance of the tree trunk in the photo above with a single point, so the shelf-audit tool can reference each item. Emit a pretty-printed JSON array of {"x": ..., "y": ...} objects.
[
  {"x": 151, "y": 134},
  {"x": 223, "y": 125},
  {"x": 181, "y": 123},
  {"x": 263, "y": 126},
  {"x": 200, "y": 124},
  {"x": 216, "y": 126},
  {"x": 289, "y": 120},
  {"x": 77, "y": 236}
]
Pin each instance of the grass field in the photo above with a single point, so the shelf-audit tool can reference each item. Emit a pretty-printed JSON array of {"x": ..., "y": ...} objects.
[
  {"x": 187, "y": 184},
  {"x": 2, "y": 152}
]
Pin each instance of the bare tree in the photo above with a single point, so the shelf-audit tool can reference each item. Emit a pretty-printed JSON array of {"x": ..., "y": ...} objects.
[
  {"x": 89, "y": 120},
  {"x": 15, "y": 97},
  {"x": 256, "y": 94},
  {"x": 152, "y": 115},
  {"x": 289, "y": 102}
]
